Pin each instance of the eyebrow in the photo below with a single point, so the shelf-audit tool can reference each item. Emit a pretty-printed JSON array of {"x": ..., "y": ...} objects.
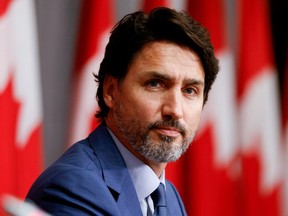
[{"x": 155, "y": 74}]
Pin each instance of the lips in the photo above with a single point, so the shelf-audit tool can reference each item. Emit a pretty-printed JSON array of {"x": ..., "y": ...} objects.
[
  {"x": 169, "y": 128},
  {"x": 168, "y": 131}
]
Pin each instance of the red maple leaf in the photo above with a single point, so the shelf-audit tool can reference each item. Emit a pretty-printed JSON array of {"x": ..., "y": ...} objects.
[
  {"x": 19, "y": 167},
  {"x": 9, "y": 108}
]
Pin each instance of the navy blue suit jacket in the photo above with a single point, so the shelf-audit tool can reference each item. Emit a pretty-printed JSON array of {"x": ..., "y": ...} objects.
[{"x": 91, "y": 178}]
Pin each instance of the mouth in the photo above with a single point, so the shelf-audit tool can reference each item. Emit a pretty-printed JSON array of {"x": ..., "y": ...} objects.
[
  {"x": 168, "y": 128},
  {"x": 168, "y": 131}
]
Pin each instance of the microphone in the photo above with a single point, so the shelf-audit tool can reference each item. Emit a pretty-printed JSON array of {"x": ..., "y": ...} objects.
[{"x": 16, "y": 207}]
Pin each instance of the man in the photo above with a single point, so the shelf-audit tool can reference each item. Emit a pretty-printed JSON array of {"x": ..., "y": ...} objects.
[{"x": 153, "y": 82}]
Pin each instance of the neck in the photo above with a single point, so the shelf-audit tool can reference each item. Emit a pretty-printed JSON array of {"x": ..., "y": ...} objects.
[{"x": 156, "y": 167}]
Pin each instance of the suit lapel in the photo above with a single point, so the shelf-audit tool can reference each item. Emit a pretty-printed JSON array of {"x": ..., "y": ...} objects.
[{"x": 115, "y": 172}]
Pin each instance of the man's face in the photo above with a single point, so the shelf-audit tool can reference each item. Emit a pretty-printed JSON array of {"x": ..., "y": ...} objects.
[{"x": 155, "y": 110}]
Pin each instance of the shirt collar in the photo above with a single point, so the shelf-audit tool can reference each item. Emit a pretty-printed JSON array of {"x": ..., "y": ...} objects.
[{"x": 144, "y": 178}]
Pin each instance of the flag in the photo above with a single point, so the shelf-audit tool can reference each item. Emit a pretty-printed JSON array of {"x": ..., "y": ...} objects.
[
  {"x": 20, "y": 98},
  {"x": 259, "y": 120},
  {"x": 95, "y": 24},
  {"x": 285, "y": 134},
  {"x": 210, "y": 169},
  {"x": 148, "y": 5}
]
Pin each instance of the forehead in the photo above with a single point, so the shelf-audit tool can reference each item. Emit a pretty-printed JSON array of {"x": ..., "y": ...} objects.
[{"x": 169, "y": 58}]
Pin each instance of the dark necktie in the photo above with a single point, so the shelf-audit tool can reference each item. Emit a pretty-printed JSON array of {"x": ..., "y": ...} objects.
[{"x": 159, "y": 200}]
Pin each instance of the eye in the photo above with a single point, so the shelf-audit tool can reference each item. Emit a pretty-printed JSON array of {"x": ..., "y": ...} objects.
[
  {"x": 153, "y": 83},
  {"x": 190, "y": 91}
]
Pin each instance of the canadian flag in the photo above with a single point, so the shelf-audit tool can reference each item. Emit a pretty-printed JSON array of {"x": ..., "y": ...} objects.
[
  {"x": 148, "y": 5},
  {"x": 20, "y": 98},
  {"x": 259, "y": 120},
  {"x": 285, "y": 131},
  {"x": 212, "y": 161},
  {"x": 95, "y": 24}
]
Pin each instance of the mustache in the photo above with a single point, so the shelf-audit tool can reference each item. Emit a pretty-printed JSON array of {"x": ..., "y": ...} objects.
[{"x": 168, "y": 123}]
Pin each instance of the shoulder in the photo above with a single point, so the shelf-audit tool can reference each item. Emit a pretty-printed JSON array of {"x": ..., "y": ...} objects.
[
  {"x": 76, "y": 166},
  {"x": 79, "y": 158},
  {"x": 174, "y": 201},
  {"x": 83, "y": 157},
  {"x": 68, "y": 190},
  {"x": 74, "y": 184},
  {"x": 171, "y": 188}
]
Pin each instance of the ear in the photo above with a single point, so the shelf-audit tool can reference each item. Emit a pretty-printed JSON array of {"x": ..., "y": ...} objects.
[{"x": 110, "y": 89}]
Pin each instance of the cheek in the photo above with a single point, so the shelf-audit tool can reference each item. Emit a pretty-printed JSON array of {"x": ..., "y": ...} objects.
[
  {"x": 140, "y": 103},
  {"x": 193, "y": 117},
  {"x": 144, "y": 108}
]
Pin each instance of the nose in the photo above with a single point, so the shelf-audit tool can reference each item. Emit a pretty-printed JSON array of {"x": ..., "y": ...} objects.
[{"x": 172, "y": 105}]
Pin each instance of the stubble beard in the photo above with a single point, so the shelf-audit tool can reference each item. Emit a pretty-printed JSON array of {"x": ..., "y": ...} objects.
[{"x": 139, "y": 137}]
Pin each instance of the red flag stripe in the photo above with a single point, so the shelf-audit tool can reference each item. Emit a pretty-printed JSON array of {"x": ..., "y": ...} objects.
[
  {"x": 217, "y": 133},
  {"x": 202, "y": 11},
  {"x": 95, "y": 23},
  {"x": 20, "y": 104},
  {"x": 259, "y": 128},
  {"x": 96, "y": 18},
  {"x": 254, "y": 42}
]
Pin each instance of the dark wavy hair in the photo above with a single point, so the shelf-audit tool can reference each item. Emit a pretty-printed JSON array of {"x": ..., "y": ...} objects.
[{"x": 137, "y": 29}]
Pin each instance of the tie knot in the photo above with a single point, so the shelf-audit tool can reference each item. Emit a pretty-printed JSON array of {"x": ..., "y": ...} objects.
[{"x": 159, "y": 196}]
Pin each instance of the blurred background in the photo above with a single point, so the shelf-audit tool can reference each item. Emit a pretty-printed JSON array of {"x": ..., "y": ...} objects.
[{"x": 237, "y": 164}]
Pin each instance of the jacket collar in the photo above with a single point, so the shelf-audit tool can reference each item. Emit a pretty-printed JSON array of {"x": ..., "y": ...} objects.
[{"x": 114, "y": 170}]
